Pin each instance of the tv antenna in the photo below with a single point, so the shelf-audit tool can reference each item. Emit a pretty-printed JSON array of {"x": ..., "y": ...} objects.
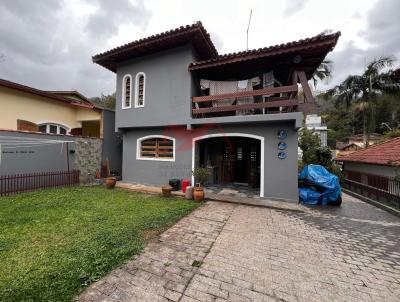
[{"x": 248, "y": 27}]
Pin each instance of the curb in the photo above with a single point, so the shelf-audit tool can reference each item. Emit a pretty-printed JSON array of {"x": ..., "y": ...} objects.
[{"x": 258, "y": 205}]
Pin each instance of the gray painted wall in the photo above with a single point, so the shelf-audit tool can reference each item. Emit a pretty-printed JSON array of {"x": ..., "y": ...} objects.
[
  {"x": 167, "y": 92},
  {"x": 371, "y": 169},
  {"x": 112, "y": 142},
  {"x": 35, "y": 159},
  {"x": 52, "y": 158},
  {"x": 280, "y": 180}
]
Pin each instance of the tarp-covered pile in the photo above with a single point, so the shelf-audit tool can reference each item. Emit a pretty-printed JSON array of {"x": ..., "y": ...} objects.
[{"x": 319, "y": 186}]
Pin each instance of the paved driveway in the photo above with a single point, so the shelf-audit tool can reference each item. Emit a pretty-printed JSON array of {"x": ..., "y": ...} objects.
[{"x": 226, "y": 252}]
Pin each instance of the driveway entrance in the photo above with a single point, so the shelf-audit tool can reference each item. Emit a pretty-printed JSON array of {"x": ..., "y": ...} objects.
[{"x": 226, "y": 252}]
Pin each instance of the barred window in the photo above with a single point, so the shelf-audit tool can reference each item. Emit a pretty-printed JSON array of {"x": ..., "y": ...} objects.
[
  {"x": 156, "y": 148},
  {"x": 140, "y": 86},
  {"x": 126, "y": 91}
]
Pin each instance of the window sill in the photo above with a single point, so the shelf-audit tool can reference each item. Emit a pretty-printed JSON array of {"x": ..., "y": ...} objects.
[{"x": 155, "y": 159}]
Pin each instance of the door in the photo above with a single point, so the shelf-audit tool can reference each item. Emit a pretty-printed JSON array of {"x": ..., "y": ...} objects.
[{"x": 241, "y": 162}]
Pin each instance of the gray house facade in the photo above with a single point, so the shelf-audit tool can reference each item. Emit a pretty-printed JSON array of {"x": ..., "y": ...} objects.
[{"x": 180, "y": 106}]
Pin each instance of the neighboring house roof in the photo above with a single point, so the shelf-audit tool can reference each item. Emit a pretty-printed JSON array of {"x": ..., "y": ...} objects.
[
  {"x": 194, "y": 34},
  {"x": 47, "y": 94},
  {"x": 317, "y": 47},
  {"x": 387, "y": 153},
  {"x": 74, "y": 95},
  {"x": 348, "y": 146}
]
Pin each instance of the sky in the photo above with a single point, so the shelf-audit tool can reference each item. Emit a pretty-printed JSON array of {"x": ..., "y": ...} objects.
[{"x": 48, "y": 44}]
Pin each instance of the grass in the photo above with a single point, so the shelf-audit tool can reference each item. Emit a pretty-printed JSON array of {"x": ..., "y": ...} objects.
[{"x": 54, "y": 242}]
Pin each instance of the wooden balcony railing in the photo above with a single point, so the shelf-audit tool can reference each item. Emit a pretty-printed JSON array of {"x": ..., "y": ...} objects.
[{"x": 288, "y": 102}]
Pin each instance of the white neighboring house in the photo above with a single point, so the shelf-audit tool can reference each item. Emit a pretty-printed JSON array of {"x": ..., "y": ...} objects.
[{"x": 314, "y": 122}]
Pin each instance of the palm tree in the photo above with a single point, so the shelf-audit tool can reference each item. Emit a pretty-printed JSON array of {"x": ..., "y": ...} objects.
[
  {"x": 362, "y": 90},
  {"x": 323, "y": 72}
]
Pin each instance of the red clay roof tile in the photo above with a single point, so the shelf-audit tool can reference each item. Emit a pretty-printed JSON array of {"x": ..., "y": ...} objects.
[
  {"x": 387, "y": 153},
  {"x": 317, "y": 41},
  {"x": 194, "y": 34}
]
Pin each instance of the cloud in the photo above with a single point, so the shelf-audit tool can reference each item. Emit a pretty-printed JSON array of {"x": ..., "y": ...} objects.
[
  {"x": 110, "y": 15},
  {"x": 47, "y": 46},
  {"x": 294, "y": 6},
  {"x": 217, "y": 40},
  {"x": 382, "y": 32},
  {"x": 381, "y": 36}
]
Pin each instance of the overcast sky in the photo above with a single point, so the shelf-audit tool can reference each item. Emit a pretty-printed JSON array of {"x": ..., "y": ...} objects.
[{"x": 48, "y": 44}]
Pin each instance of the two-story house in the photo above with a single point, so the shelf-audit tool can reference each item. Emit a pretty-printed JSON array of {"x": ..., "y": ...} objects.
[{"x": 181, "y": 105}]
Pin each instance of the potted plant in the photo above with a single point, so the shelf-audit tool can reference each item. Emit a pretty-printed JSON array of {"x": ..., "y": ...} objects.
[
  {"x": 110, "y": 182},
  {"x": 166, "y": 190},
  {"x": 200, "y": 177}
]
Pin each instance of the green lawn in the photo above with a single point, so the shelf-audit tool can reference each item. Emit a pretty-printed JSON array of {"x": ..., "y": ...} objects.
[{"x": 54, "y": 242}]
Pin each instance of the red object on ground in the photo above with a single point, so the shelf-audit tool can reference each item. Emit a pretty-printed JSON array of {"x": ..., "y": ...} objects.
[{"x": 185, "y": 184}]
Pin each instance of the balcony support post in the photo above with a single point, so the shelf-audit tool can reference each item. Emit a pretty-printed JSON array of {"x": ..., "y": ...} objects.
[{"x": 301, "y": 76}]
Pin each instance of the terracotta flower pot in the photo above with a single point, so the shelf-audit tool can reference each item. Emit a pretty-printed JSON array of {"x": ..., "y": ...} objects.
[
  {"x": 166, "y": 191},
  {"x": 110, "y": 182},
  {"x": 198, "y": 193}
]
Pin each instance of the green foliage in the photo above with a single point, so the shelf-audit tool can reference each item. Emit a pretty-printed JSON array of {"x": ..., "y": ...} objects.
[
  {"x": 309, "y": 143},
  {"x": 201, "y": 175},
  {"x": 363, "y": 102},
  {"x": 54, "y": 242},
  {"x": 323, "y": 72},
  {"x": 335, "y": 169},
  {"x": 105, "y": 101},
  {"x": 324, "y": 156},
  {"x": 391, "y": 134},
  {"x": 314, "y": 153}
]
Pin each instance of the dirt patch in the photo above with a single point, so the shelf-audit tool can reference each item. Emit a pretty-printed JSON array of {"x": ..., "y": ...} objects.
[{"x": 150, "y": 234}]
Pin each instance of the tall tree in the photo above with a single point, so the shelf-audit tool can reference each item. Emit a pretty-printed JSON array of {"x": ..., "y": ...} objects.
[
  {"x": 363, "y": 89},
  {"x": 106, "y": 101},
  {"x": 323, "y": 72}
]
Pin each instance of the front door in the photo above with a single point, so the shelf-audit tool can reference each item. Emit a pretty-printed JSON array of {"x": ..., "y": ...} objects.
[{"x": 241, "y": 162}]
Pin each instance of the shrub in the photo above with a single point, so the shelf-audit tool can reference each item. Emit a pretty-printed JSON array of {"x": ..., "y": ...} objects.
[{"x": 201, "y": 175}]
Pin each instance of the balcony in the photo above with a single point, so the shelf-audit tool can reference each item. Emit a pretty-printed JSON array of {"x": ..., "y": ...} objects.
[{"x": 263, "y": 101}]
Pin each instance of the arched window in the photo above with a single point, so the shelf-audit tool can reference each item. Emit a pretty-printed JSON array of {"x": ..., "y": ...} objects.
[
  {"x": 126, "y": 91},
  {"x": 140, "y": 86},
  {"x": 53, "y": 128},
  {"x": 156, "y": 147}
]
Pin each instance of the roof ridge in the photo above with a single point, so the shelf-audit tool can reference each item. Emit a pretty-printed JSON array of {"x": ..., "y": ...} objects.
[
  {"x": 369, "y": 152},
  {"x": 317, "y": 38},
  {"x": 44, "y": 93},
  {"x": 177, "y": 30}
]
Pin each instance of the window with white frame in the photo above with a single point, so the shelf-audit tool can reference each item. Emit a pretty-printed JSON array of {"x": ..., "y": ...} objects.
[
  {"x": 140, "y": 86},
  {"x": 156, "y": 148},
  {"x": 126, "y": 91},
  {"x": 53, "y": 128}
]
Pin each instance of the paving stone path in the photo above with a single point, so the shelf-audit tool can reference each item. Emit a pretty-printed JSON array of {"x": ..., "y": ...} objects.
[{"x": 226, "y": 252}]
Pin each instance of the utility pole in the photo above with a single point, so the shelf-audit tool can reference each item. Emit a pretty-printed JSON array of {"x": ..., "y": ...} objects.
[{"x": 248, "y": 27}]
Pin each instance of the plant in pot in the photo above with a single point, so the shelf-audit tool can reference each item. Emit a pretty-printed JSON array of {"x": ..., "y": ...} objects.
[{"x": 200, "y": 177}]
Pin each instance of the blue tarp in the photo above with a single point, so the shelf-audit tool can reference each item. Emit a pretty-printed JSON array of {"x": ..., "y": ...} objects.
[{"x": 327, "y": 184}]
